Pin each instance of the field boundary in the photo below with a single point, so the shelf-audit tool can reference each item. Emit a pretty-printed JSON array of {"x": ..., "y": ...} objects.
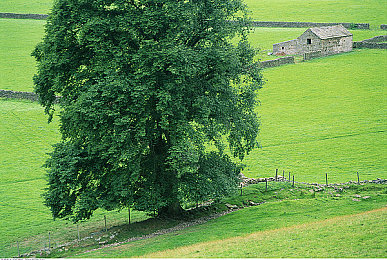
[
  {"x": 377, "y": 42},
  {"x": 18, "y": 95},
  {"x": 24, "y": 16},
  {"x": 363, "y": 26}
]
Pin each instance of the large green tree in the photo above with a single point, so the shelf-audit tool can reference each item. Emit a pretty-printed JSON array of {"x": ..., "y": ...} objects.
[{"x": 152, "y": 91}]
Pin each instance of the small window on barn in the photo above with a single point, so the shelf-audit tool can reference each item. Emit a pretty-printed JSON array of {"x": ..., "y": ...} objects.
[{"x": 309, "y": 41}]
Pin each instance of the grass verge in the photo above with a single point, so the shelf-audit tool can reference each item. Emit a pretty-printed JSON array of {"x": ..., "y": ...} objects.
[{"x": 276, "y": 213}]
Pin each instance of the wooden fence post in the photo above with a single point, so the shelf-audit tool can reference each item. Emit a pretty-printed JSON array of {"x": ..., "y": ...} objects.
[
  {"x": 49, "y": 240},
  {"x": 105, "y": 223},
  {"x": 358, "y": 179},
  {"x": 241, "y": 189},
  {"x": 293, "y": 181},
  {"x": 129, "y": 214},
  {"x": 79, "y": 238},
  {"x": 276, "y": 174},
  {"x": 326, "y": 178}
]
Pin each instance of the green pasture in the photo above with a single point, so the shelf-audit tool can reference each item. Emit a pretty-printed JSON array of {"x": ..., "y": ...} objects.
[
  {"x": 25, "y": 140},
  {"x": 349, "y": 11},
  {"x": 17, "y": 40},
  {"x": 352, "y": 11},
  {"x": 341, "y": 237},
  {"x": 23, "y": 6},
  {"x": 324, "y": 116},
  {"x": 271, "y": 218}
]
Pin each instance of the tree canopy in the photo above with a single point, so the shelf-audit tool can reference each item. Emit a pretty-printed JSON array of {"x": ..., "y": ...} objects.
[{"x": 152, "y": 91}]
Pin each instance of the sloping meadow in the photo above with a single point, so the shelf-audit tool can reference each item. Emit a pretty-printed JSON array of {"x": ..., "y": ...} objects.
[{"x": 324, "y": 116}]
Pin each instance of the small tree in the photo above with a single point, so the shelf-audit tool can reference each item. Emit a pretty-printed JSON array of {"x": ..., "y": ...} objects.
[{"x": 151, "y": 92}]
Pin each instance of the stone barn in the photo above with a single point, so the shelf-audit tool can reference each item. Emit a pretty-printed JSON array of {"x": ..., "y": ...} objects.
[{"x": 328, "y": 40}]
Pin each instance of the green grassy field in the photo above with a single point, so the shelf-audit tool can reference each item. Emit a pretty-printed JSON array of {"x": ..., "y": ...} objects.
[
  {"x": 366, "y": 11},
  {"x": 282, "y": 221},
  {"x": 23, "y": 6},
  {"x": 24, "y": 141},
  {"x": 17, "y": 40},
  {"x": 350, "y": 11},
  {"x": 324, "y": 116},
  {"x": 340, "y": 237}
]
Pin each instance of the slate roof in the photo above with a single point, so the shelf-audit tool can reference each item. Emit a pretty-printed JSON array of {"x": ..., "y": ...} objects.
[{"x": 330, "y": 32}]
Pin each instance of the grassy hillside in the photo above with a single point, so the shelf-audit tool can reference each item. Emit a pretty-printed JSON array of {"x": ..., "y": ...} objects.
[
  {"x": 269, "y": 218},
  {"x": 339, "y": 237},
  {"x": 24, "y": 141},
  {"x": 350, "y": 11},
  {"x": 23, "y": 6},
  {"x": 17, "y": 40},
  {"x": 324, "y": 116},
  {"x": 366, "y": 11}
]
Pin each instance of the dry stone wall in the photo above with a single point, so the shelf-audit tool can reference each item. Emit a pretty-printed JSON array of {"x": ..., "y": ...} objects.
[
  {"x": 377, "y": 42},
  {"x": 24, "y": 16},
  {"x": 309, "y": 24},
  {"x": 21, "y": 95},
  {"x": 18, "y": 95},
  {"x": 255, "y": 23},
  {"x": 276, "y": 62},
  {"x": 313, "y": 55}
]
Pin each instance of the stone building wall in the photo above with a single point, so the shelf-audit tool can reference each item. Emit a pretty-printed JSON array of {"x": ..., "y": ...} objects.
[{"x": 288, "y": 47}]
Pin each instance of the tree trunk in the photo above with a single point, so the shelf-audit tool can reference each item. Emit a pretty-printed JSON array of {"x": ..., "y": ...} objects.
[{"x": 173, "y": 210}]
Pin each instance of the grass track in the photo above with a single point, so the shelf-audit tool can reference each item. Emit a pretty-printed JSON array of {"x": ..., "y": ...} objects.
[
  {"x": 338, "y": 237},
  {"x": 267, "y": 217}
]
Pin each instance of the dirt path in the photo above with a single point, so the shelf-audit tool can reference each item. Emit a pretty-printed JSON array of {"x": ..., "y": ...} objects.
[{"x": 178, "y": 227}]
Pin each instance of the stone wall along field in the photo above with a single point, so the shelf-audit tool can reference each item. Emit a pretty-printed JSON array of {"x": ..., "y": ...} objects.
[
  {"x": 276, "y": 62},
  {"x": 377, "y": 42},
  {"x": 18, "y": 95},
  {"x": 309, "y": 24},
  {"x": 24, "y": 16}
]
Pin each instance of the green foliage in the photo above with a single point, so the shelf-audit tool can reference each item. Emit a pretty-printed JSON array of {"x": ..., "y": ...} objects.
[{"x": 145, "y": 86}]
